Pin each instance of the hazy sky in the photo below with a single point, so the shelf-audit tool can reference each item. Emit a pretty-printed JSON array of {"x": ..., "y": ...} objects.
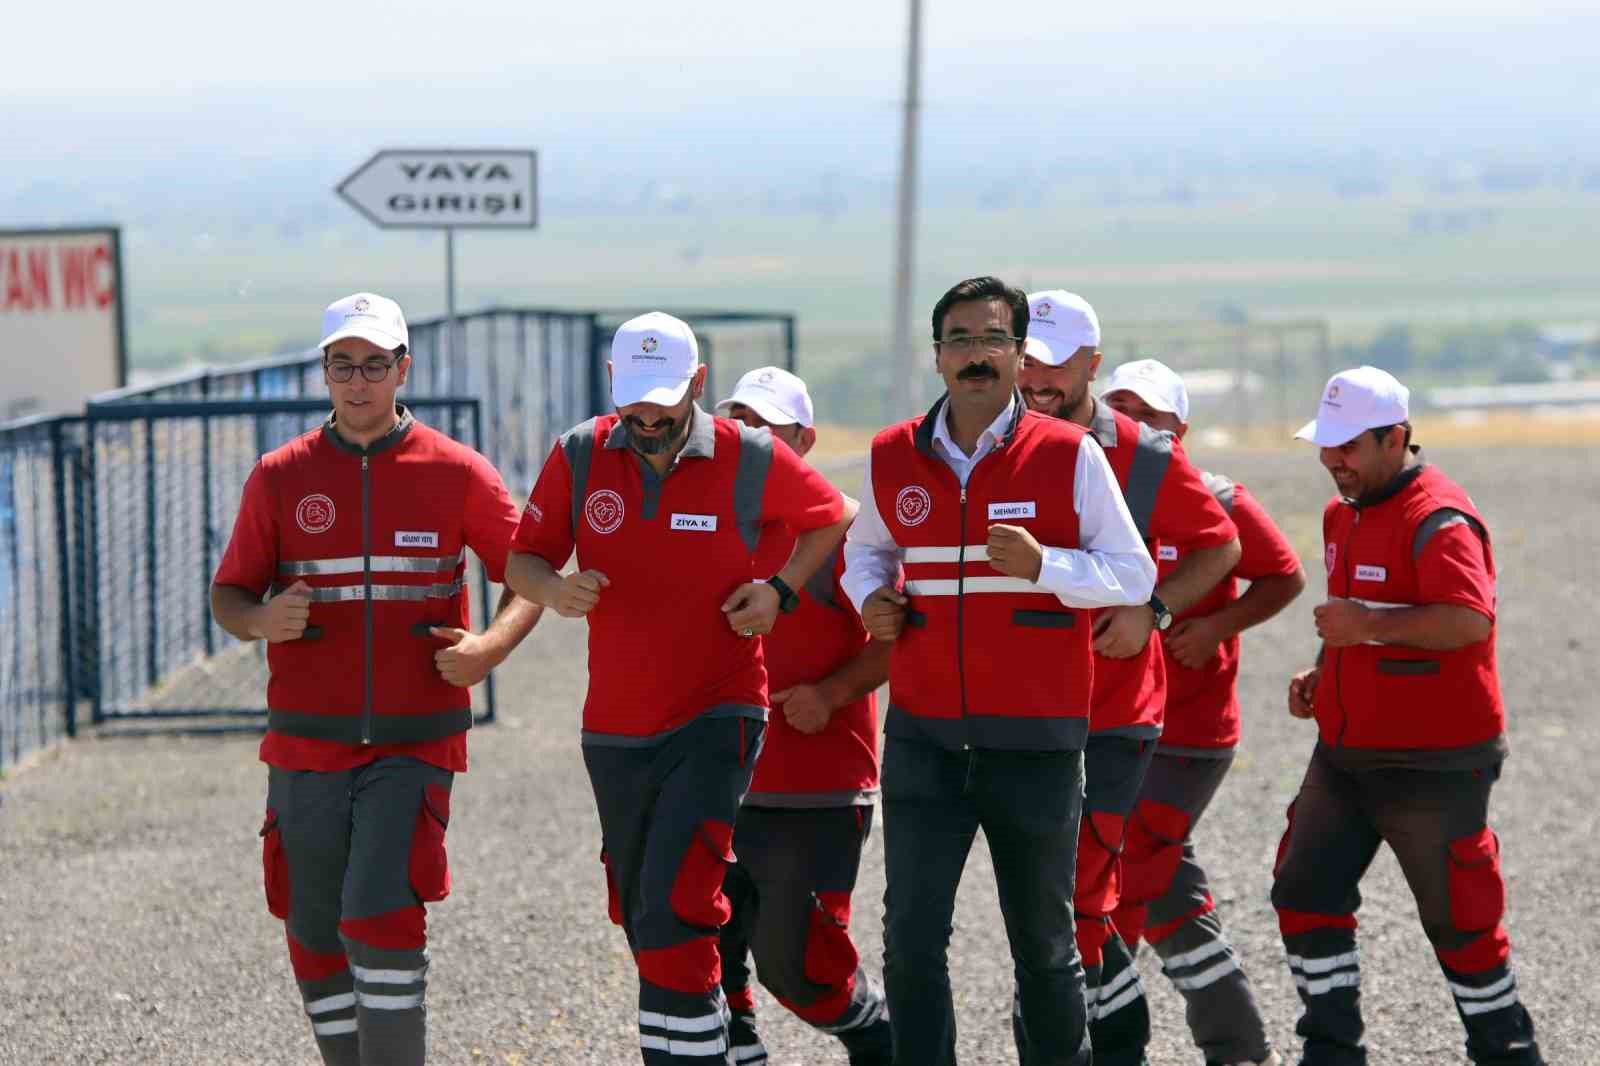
[{"x": 683, "y": 91}]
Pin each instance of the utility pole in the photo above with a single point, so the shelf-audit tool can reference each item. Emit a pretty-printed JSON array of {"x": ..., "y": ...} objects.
[{"x": 904, "y": 396}]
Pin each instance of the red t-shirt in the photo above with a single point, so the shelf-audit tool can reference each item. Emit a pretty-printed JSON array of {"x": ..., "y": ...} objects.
[
  {"x": 1203, "y": 705},
  {"x": 674, "y": 548}
]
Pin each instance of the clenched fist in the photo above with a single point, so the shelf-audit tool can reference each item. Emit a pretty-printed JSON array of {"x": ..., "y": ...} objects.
[
  {"x": 284, "y": 617},
  {"x": 580, "y": 591},
  {"x": 1014, "y": 552},
  {"x": 884, "y": 613}
]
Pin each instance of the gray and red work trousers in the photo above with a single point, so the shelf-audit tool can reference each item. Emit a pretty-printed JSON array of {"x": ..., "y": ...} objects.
[
  {"x": 1436, "y": 823},
  {"x": 667, "y": 809},
  {"x": 1118, "y": 1015},
  {"x": 349, "y": 859},
  {"x": 1166, "y": 900},
  {"x": 790, "y": 892}
]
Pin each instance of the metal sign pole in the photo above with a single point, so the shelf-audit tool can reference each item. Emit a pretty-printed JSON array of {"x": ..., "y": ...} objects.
[{"x": 449, "y": 346}]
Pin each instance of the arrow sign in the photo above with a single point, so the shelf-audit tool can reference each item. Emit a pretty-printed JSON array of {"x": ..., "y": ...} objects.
[{"x": 446, "y": 188}]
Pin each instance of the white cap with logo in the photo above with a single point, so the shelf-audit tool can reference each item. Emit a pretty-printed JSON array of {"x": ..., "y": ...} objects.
[
  {"x": 1059, "y": 323},
  {"x": 653, "y": 359},
  {"x": 778, "y": 396},
  {"x": 368, "y": 316},
  {"x": 1354, "y": 401},
  {"x": 1154, "y": 382}
]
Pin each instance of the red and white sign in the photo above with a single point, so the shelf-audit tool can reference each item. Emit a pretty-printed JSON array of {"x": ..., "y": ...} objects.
[{"x": 61, "y": 318}]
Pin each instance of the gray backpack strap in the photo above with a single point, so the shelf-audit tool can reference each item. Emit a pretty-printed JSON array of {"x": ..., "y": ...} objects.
[{"x": 578, "y": 444}]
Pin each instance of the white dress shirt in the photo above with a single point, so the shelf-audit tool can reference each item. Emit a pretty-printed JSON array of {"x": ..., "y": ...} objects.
[{"x": 1112, "y": 568}]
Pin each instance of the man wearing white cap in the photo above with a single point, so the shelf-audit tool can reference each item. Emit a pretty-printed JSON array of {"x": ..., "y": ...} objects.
[
  {"x": 1411, "y": 733},
  {"x": 802, "y": 827},
  {"x": 1170, "y": 503},
  {"x": 369, "y": 663},
  {"x": 667, "y": 508},
  {"x": 1165, "y": 894}
]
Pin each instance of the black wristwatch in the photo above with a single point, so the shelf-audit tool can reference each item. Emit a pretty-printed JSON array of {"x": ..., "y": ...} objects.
[
  {"x": 787, "y": 598},
  {"x": 1163, "y": 616}
]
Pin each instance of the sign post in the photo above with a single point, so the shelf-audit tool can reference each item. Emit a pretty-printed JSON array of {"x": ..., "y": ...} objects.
[{"x": 448, "y": 189}]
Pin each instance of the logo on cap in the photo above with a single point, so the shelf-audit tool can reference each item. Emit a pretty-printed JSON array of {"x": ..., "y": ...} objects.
[
  {"x": 1043, "y": 310},
  {"x": 1333, "y": 392},
  {"x": 765, "y": 377},
  {"x": 649, "y": 344},
  {"x": 314, "y": 513},
  {"x": 603, "y": 509},
  {"x": 913, "y": 505},
  {"x": 361, "y": 304}
]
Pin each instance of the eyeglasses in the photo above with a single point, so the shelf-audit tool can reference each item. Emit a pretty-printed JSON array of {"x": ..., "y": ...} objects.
[
  {"x": 988, "y": 344},
  {"x": 342, "y": 372}
]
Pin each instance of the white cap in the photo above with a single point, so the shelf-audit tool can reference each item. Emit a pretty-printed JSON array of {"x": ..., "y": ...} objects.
[
  {"x": 653, "y": 359},
  {"x": 1154, "y": 382},
  {"x": 1356, "y": 400},
  {"x": 773, "y": 393},
  {"x": 1059, "y": 323},
  {"x": 368, "y": 316}
]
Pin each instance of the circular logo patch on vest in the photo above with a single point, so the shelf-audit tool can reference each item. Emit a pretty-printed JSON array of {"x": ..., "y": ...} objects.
[
  {"x": 913, "y": 505},
  {"x": 603, "y": 509},
  {"x": 314, "y": 513}
]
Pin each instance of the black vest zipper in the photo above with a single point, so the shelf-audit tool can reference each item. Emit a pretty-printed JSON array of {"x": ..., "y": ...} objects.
[{"x": 366, "y": 599}]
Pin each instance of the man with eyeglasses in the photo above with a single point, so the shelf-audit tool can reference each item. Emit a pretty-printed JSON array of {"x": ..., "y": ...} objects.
[
  {"x": 1008, "y": 526},
  {"x": 666, "y": 508},
  {"x": 344, "y": 532},
  {"x": 1170, "y": 503}
]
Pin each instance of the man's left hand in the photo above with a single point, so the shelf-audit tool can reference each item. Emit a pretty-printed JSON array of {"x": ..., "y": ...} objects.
[
  {"x": 1341, "y": 623},
  {"x": 804, "y": 708},
  {"x": 752, "y": 609},
  {"x": 1014, "y": 552},
  {"x": 467, "y": 660},
  {"x": 1123, "y": 632}
]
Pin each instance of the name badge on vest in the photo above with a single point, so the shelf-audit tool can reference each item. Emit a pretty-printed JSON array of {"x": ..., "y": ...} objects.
[
  {"x": 1019, "y": 509},
  {"x": 1371, "y": 573},
  {"x": 695, "y": 523},
  {"x": 416, "y": 539},
  {"x": 1167, "y": 553}
]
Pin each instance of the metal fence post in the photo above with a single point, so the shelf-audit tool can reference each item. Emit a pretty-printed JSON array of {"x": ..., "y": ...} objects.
[
  {"x": 790, "y": 356},
  {"x": 152, "y": 589},
  {"x": 63, "y": 571},
  {"x": 205, "y": 532},
  {"x": 597, "y": 369},
  {"x": 483, "y": 575},
  {"x": 91, "y": 573}
]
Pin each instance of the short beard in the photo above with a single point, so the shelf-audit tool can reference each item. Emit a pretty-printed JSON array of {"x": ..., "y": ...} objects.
[{"x": 664, "y": 443}]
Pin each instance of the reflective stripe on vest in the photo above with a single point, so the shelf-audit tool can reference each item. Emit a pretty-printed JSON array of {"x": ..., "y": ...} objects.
[
  {"x": 921, "y": 560},
  {"x": 348, "y": 593},
  {"x": 355, "y": 564}
]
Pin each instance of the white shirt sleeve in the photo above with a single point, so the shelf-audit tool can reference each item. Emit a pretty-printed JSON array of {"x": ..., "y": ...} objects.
[
  {"x": 871, "y": 556},
  {"x": 1113, "y": 568}
]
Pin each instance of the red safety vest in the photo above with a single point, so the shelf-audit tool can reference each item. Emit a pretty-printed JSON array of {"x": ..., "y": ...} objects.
[
  {"x": 381, "y": 538},
  {"x": 837, "y": 767},
  {"x": 985, "y": 660},
  {"x": 1384, "y": 695}
]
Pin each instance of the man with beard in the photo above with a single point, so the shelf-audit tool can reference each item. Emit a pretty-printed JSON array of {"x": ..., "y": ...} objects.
[
  {"x": 1411, "y": 733},
  {"x": 802, "y": 827},
  {"x": 666, "y": 507},
  {"x": 1165, "y": 894},
  {"x": 1169, "y": 503},
  {"x": 1008, "y": 526}
]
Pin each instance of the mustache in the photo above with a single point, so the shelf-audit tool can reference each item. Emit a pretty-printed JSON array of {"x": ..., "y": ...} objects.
[{"x": 976, "y": 371}]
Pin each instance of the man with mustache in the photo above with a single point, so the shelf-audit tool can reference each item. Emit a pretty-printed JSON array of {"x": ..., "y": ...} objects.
[
  {"x": 1170, "y": 503},
  {"x": 666, "y": 508},
  {"x": 1411, "y": 733},
  {"x": 1008, "y": 526},
  {"x": 1166, "y": 896}
]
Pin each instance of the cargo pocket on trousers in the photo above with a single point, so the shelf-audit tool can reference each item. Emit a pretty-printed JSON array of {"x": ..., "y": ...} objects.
[
  {"x": 613, "y": 897},
  {"x": 1477, "y": 891},
  {"x": 274, "y": 866},
  {"x": 831, "y": 958},
  {"x": 697, "y": 897},
  {"x": 1153, "y": 850},
  {"x": 430, "y": 865},
  {"x": 1283, "y": 841}
]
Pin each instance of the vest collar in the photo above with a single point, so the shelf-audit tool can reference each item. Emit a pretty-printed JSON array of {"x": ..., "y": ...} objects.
[
  {"x": 330, "y": 433},
  {"x": 924, "y": 433},
  {"x": 1103, "y": 424}
]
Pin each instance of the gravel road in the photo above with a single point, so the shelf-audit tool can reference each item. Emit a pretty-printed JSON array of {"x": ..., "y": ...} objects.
[{"x": 133, "y": 930}]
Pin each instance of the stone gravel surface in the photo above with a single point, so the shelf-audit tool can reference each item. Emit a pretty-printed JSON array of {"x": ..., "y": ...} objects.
[{"x": 133, "y": 928}]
